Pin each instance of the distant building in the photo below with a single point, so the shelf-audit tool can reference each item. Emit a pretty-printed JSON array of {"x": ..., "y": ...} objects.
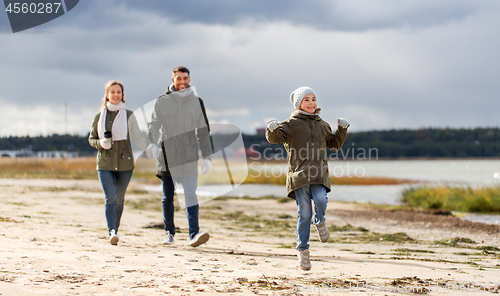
[
  {"x": 17, "y": 153},
  {"x": 247, "y": 152},
  {"x": 261, "y": 131},
  {"x": 56, "y": 154}
]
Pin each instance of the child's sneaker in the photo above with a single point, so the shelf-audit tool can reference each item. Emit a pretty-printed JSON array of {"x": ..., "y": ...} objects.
[
  {"x": 304, "y": 262},
  {"x": 169, "y": 239},
  {"x": 113, "y": 238},
  {"x": 199, "y": 238},
  {"x": 323, "y": 232}
]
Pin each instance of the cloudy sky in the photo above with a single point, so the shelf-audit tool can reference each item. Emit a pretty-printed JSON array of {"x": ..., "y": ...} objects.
[{"x": 382, "y": 64}]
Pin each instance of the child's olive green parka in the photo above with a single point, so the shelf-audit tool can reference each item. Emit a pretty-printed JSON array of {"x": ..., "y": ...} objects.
[{"x": 306, "y": 138}]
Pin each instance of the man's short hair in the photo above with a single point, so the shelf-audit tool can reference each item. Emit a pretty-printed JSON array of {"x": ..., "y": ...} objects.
[{"x": 180, "y": 69}]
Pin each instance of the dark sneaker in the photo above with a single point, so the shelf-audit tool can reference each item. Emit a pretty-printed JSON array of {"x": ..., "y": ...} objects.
[{"x": 200, "y": 238}]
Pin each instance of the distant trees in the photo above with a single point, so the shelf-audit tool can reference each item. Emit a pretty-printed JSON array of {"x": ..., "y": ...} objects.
[
  {"x": 47, "y": 143},
  {"x": 478, "y": 142},
  {"x": 430, "y": 142}
]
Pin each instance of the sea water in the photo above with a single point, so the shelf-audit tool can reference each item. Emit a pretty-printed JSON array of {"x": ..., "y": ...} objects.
[{"x": 467, "y": 172}]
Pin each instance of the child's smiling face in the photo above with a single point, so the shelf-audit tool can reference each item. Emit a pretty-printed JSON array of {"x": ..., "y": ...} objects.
[{"x": 308, "y": 104}]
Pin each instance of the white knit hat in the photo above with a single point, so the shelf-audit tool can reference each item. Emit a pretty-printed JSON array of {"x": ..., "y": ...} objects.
[{"x": 299, "y": 94}]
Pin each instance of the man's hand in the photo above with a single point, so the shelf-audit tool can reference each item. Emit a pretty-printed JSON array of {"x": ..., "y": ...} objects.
[
  {"x": 105, "y": 143},
  {"x": 206, "y": 166},
  {"x": 152, "y": 151},
  {"x": 272, "y": 125},
  {"x": 342, "y": 122}
]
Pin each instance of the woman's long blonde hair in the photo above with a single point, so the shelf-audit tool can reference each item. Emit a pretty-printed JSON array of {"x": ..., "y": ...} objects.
[{"x": 106, "y": 87}]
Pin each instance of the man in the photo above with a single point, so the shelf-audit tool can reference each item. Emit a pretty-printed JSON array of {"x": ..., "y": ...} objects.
[{"x": 178, "y": 125}]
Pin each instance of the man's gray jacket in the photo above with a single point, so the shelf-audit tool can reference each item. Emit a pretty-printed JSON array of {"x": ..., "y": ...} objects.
[{"x": 179, "y": 126}]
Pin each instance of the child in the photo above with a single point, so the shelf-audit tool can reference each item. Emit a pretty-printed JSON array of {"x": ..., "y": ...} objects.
[{"x": 305, "y": 137}]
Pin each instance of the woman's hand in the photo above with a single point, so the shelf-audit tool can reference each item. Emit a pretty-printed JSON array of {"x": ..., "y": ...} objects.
[{"x": 105, "y": 143}]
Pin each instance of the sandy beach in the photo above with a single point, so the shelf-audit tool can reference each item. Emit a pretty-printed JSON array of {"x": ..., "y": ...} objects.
[{"x": 53, "y": 241}]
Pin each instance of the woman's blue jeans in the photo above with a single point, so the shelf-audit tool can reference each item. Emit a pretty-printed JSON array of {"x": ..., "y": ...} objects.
[
  {"x": 303, "y": 198},
  {"x": 114, "y": 185}
]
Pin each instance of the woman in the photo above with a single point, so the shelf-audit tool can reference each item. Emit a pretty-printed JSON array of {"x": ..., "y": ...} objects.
[{"x": 115, "y": 161}]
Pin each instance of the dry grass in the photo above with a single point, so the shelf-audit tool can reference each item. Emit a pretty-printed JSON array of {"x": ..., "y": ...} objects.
[
  {"x": 85, "y": 168},
  {"x": 64, "y": 168},
  {"x": 281, "y": 180},
  {"x": 256, "y": 177},
  {"x": 72, "y": 168},
  {"x": 368, "y": 181}
]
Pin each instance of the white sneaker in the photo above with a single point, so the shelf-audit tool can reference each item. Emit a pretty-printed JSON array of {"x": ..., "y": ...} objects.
[
  {"x": 304, "y": 262},
  {"x": 169, "y": 239},
  {"x": 200, "y": 238},
  {"x": 113, "y": 238},
  {"x": 323, "y": 232}
]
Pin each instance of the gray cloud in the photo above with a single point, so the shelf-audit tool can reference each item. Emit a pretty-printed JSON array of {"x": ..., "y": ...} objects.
[
  {"x": 414, "y": 64},
  {"x": 356, "y": 15}
]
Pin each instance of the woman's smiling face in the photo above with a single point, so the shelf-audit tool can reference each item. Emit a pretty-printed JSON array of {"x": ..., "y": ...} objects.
[{"x": 115, "y": 94}]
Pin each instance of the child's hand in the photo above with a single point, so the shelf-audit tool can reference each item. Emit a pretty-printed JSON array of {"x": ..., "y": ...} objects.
[
  {"x": 342, "y": 122},
  {"x": 272, "y": 125}
]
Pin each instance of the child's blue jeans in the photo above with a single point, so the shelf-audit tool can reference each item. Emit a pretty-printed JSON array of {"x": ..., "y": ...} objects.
[{"x": 303, "y": 198}]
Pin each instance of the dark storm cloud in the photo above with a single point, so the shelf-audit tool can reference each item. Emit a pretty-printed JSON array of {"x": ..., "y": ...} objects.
[
  {"x": 336, "y": 15},
  {"x": 339, "y": 15},
  {"x": 381, "y": 64}
]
